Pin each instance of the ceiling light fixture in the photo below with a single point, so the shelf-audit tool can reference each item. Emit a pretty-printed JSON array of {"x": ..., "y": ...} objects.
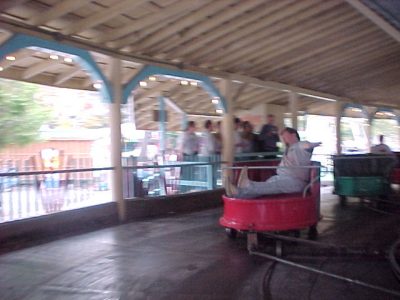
[
  {"x": 68, "y": 59},
  {"x": 152, "y": 78},
  {"x": 143, "y": 83},
  {"x": 10, "y": 57},
  {"x": 184, "y": 82},
  {"x": 54, "y": 56},
  {"x": 97, "y": 85}
]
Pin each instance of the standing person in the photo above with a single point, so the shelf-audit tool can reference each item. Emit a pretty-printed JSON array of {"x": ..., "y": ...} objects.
[
  {"x": 249, "y": 138},
  {"x": 237, "y": 138},
  {"x": 381, "y": 148},
  {"x": 218, "y": 138},
  {"x": 268, "y": 136},
  {"x": 208, "y": 144},
  {"x": 290, "y": 178},
  {"x": 189, "y": 147}
]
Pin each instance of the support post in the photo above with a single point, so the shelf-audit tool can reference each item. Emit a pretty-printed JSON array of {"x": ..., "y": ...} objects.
[
  {"x": 338, "y": 114},
  {"x": 293, "y": 104},
  {"x": 227, "y": 125},
  {"x": 162, "y": 123},
  {"x": 369, "y": 130},
  {"x": 116, "y": 138}
]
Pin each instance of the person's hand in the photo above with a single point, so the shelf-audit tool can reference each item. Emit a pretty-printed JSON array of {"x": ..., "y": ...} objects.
[{"x": 313, "y": 145}]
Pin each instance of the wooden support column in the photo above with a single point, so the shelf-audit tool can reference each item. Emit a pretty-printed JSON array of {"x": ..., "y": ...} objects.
[
  {"x": 227, "y": 123},
  {"x": 162, "y": 123},
  {"x": 116, "y": 137},
  {"x": 369, "y": 130},
  {"x": 338, "y": 113},
  {"x": 294, "y": 104}
]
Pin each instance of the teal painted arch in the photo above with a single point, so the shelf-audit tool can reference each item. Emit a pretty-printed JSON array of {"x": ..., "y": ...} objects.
[
  {"x": 355, "y": 105},
  {"x": 387, "y": 110},
  {"x": 82, "y": 57},
  {"x": 149, "y": 70}
]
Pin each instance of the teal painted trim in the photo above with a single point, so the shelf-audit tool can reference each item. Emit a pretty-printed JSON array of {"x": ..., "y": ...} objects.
[
  {"x": 83, "y": 57},
  {"x": 355, "y": 105},
  {"x": 149, "y": 70},
  {"x": 389, "y": 110}
]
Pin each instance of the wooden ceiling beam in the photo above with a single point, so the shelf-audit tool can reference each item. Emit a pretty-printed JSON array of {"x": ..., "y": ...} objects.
[
  {"x": 229, "y": 28},
  {"x": 376, "y": 19},
  {"x": 347, "y": 53},
  {"x": 154, "y": 91},
  {"x": 60, "y": 9},
  {"x": 312, "y": 29},
  {"x": 143, "y": 23},
  {"x": 7, "y": 4},
  {"x": 38, "y": 68},
  {"x": 63, "y": 77},
  {"x": 292, "y": 37},
  {"x": 102, "y": 16},
  {"x": 214, "y": 22},
  {"x": 21, "y": 56},
  {"x": 184, "y": 22},
  {"x": 330, "y": 43},
  {"x": 240, "y": 33}
]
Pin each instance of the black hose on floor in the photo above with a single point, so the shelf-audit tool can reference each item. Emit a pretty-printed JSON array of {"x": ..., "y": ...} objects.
[
  {"x": 320, "y": 272},
  {"x": 392, "y": 259}
]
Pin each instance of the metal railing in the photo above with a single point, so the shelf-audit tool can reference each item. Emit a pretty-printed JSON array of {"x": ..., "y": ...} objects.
[
  {"x": 171, "y": 179},
  {"x": 35, "y": 193},
  {"x": 30, "y": 194}
]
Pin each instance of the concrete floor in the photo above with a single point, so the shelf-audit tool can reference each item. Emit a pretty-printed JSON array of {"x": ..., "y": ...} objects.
[{"x": 189, "y": 257}]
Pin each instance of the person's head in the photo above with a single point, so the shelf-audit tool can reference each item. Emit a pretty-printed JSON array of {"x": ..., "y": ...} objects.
[
  {"x": 191, "y": 126},
  {"x": 290, "y": 136},
  {"x": 208, "y": 125},
  {"x": 237, "y": 123},
  {"x": 381, "y": 137},
  {"x": 270, "y": 119},
  {"x": 218, "y": 126},
  {"x": 247, "y": 127}
]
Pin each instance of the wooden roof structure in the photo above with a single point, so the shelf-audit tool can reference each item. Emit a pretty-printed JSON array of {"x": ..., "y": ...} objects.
[{"x": 343, "y": 50}]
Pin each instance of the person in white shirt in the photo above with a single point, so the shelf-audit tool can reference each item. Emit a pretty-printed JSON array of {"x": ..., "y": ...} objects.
[
  {"x": 290, "y": 178},
  {"x": 189, "y": 145},
  {"x": 208, "y": 143},
  {"x": 381, "y": 148}
]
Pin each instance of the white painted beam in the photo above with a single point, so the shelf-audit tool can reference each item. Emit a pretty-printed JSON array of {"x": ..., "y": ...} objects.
[{"x": 376, "y": 19}]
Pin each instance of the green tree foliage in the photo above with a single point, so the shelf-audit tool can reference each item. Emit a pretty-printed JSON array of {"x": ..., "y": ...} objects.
[{"x": 21, "y": 115}]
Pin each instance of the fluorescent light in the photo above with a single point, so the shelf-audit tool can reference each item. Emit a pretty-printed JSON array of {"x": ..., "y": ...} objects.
[
  {"x": 193, "y": 83},
  {"x": 10, "y": 57},
  {"x": 215, "y": 100},
  {"x": 1, "y": 69},
  {"x": 54, "y": 56},
  {"x": 97, "y": 85},
  {"x": 219, "y": 111},
  {"x": 184, "y": 82},
  {"x": 143, "y": 83},
  {"x": 68, "y": 59},
  {"x": 152, "y": 78}
]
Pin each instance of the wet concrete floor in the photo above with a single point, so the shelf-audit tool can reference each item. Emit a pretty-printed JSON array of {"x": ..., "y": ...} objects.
[{"x": 190, "y": 257}]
